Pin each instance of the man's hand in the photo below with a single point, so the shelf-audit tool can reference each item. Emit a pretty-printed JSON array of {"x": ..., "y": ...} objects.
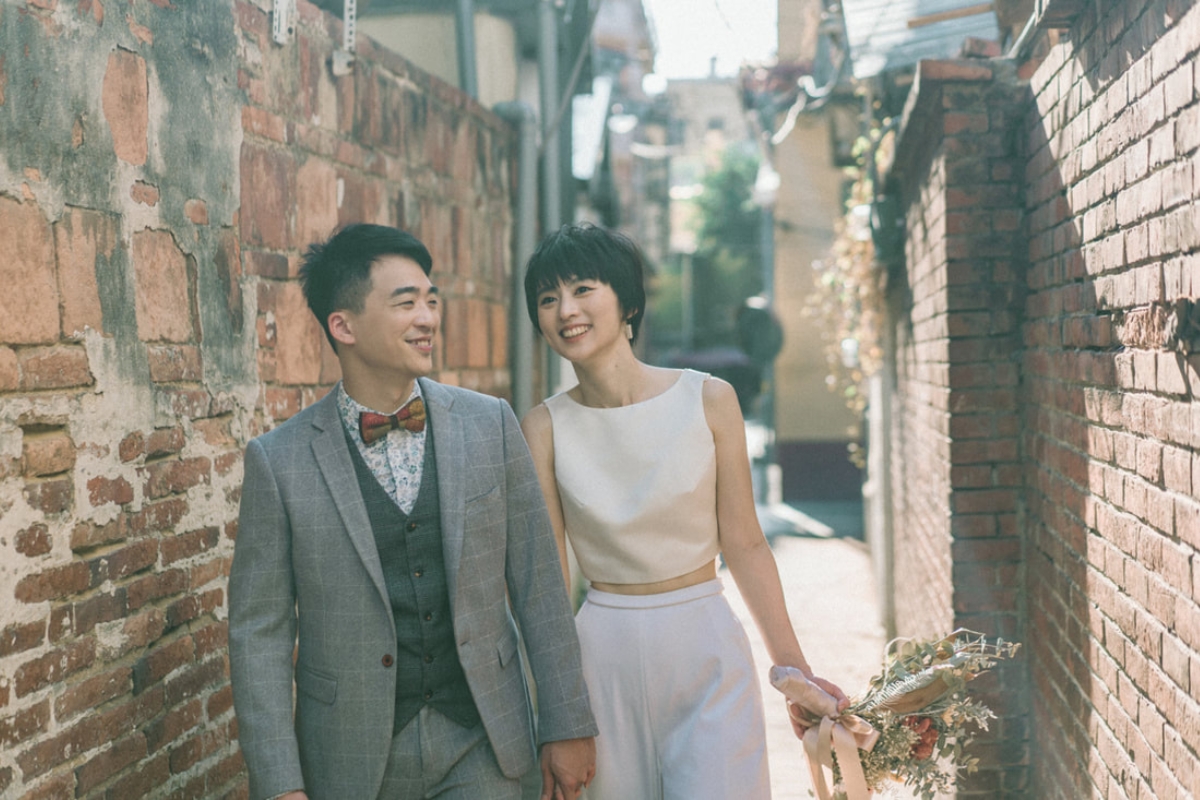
[
  {"x": 292, "y": 796},
  {"x": 567, "y": 767}
]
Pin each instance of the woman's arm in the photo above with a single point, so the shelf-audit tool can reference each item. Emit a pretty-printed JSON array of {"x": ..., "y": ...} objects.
[
  {"x": 747, "y": 552},
  {"x": 539, "y": 433}
]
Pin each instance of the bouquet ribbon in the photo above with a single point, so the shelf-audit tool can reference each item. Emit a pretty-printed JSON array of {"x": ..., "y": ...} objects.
[{"x": 843, "y": 734}]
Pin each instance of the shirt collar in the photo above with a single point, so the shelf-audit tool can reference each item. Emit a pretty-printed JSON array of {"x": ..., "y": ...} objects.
[{"x": 349, "y": 408}]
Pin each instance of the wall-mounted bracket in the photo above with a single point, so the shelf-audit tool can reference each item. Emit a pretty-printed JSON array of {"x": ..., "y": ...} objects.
[
  {"x": 343, "y": 60},
  {"x": 283, "y": 21}
]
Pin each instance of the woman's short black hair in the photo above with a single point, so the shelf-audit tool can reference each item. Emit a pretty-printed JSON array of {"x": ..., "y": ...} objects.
[
  {"x": 588, "y": 252},
  {"x": 336, "y": 274}
]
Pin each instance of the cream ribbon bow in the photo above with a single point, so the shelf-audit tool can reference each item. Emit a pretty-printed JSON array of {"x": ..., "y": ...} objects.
[{"x": 844, "y": 734}]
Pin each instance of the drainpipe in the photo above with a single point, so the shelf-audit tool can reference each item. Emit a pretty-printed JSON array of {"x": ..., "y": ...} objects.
[
  {"x": 550, "y": 164},
  {"x": 520, "y": 328},
  {"x": 465, "y": 30}
]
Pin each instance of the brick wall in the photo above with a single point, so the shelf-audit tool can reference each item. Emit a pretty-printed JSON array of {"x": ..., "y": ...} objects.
[
  {"x": 1046, "y": 431},
  {"x": 956, "y": 474},
  {"x": 1111, "y": 415},
  {"x": 162, "y": 166}
]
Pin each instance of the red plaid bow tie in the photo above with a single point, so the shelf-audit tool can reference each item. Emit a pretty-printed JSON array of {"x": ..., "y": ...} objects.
[{"x": 374, "y": 426}]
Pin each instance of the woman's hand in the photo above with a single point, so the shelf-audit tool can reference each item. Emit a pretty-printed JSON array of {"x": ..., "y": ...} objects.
[{"x": 802, "y": 721}]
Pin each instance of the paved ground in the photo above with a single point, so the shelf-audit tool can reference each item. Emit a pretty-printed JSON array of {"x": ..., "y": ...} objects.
[{"x": 830, "y": 590}]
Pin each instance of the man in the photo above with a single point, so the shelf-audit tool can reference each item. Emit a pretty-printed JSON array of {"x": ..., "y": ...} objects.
[{"x": 388, "y": 536}]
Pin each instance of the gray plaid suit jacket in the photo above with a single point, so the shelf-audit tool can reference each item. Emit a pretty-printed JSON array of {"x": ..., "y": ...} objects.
[{"x": 306, "y": 579}]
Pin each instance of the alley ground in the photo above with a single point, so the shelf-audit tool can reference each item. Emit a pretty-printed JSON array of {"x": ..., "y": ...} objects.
[{"x": 827, "y": 579}]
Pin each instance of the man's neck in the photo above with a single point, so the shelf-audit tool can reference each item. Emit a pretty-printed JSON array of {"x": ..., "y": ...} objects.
[{"x": 382, "y": 396}]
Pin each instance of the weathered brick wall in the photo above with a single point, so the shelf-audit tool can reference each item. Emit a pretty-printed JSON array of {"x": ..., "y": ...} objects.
[
  {"x": 955, "y": 436},
  {"x": 1112, "y": 423},
  {"x": 162, "y": 166}
]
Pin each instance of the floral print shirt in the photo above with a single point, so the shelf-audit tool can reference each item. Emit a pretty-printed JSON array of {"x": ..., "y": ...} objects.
[{"x": 395, "y": 460}]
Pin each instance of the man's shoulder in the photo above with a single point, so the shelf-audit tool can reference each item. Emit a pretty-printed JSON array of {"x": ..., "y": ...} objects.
[
  {"x": 462, "y": 399},
  {"x": 295, "y": 427}
]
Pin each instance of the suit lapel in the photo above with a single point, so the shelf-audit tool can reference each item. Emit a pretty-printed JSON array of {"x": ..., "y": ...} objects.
[
  {"x": 333, "y": 458},
  {"x": 451, "y": 463}
]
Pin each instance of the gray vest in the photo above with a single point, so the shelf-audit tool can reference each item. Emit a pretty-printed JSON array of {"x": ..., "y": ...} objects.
[{"x": 428, "y": 671}]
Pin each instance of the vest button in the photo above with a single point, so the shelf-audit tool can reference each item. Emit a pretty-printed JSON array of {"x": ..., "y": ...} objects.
[
  {"x": 428, "y": 658},
  {"x": 428, "y": 695},
  {"x": 388, "y": 660},
  {"x": 418, "y": 573},
  {"x": 428, "y": 617},
  {"x": 411, "y": 526}
]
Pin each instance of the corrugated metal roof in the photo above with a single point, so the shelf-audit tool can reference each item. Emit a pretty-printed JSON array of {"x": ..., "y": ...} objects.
[{"x": 890, "y": 34}]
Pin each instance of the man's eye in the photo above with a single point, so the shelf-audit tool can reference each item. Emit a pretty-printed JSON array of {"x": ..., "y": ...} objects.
[{"x": 547, "y": 300}]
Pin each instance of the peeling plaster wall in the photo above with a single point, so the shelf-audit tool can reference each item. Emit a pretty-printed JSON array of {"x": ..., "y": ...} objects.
[{"x": 163, "y": 165}]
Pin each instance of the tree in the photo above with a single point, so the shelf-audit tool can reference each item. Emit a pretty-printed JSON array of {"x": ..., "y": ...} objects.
[{"x": 728, "y": 259}]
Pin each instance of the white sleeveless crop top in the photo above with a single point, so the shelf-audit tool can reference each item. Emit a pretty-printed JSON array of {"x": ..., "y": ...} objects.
[{"x": 638, "y": 484}]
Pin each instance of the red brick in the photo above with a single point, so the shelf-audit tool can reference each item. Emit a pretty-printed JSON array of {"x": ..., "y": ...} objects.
[
  {"x": 186, "y": 545},
  {"x": 132, "y": 446},
  {"x": 162, "y": 288},
  {"x": 83, "y": 239},
  {"x": 97, "y": 609},
  {"x": 102, "y": 490},
  {"x": 47, "y": 453},
  {"x": 174, "y": 363},
  {"x": 143, "y": 780},
  {"x": 220, "y": 702},
  {"x": 299, "y": 336},
  {"x": 144, "y": 628},
  {"x": 93, "y": 692},
  {"x": 144, "y": 193},
  {"x": 160, "y": 662},
  {"x": 19, "y": 637},
  {"x": 196, "y": 211},
  {"x": 54, "y": 666},
  {"x": 269, "y": 177},
  {"x": 33, "y": 541},
  {"x": 175, "y": 477},
  {"x": 29, "y": 306},
  {"x": 24, "y": 725},
  {"x": 125, "y": 100},
  {"x": 154, "y": 587},
  {"x": 60, "y": 367},
  {"x": 110, "y": 761},
  {"x": 124, "y": 562},
  {"x": 193, "y": 680},
  {"x": 54, "y": 583},
  {"x": 10, "y": 372},
  {"x": 176, "y": 722}
]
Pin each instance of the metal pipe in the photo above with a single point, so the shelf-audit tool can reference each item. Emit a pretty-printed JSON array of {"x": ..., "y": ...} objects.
[
  {"x": 521, "y": 334},
  {"x": 465, "y": 30},
  {"x": 550, "y": 162}
]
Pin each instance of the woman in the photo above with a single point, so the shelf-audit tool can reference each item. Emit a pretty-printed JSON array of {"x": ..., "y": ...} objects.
[{"x": 645, "y": 470}]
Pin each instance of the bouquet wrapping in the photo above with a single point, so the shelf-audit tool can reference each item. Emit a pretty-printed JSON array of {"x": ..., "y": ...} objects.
[{"x": 916, "y": 709}]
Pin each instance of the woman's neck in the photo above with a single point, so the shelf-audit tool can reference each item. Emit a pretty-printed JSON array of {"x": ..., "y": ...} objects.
[{"x": 614, "y": 383}]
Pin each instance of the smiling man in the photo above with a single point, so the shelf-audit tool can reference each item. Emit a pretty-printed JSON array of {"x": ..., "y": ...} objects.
[{"x": 389, "y": 537}]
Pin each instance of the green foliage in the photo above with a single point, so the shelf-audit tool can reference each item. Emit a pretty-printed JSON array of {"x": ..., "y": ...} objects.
[{"x": 728, "y": 258}]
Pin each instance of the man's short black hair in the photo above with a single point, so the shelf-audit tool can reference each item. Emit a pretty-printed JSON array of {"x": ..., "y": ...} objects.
[
  {"x": 336, "y": 274},
  {"x": 588, "y": 252}
]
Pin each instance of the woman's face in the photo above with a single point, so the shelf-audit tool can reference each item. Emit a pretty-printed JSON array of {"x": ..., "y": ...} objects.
[{"x": 580, "y": 318}]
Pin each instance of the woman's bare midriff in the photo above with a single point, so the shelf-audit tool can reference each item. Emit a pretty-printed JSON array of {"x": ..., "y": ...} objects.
[{"x": 706, "y": 573}]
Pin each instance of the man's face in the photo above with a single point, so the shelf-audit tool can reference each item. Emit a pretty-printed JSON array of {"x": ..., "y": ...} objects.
[{"x": 396, "y": 329}]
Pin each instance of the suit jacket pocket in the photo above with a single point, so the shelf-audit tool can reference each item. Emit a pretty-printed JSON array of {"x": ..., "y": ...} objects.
[
  {"x": 506, "y": 648},
  {"x": 321, "y": 688}
]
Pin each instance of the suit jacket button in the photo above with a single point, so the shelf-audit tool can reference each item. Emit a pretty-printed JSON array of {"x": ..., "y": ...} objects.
[{"x": 388, "y": 660}]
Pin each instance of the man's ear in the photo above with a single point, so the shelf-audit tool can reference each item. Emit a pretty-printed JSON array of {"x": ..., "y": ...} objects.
[{"x": 340, "y": 328}]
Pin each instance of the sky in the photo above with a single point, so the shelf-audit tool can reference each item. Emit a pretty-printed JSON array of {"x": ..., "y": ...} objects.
[{"x": 690, "y": 32}]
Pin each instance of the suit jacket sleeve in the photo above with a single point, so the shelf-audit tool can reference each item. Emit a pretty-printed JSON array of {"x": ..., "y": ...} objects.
[
  {"x": 262, "y": 632},
  {"x": 539, "y": 598}
]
